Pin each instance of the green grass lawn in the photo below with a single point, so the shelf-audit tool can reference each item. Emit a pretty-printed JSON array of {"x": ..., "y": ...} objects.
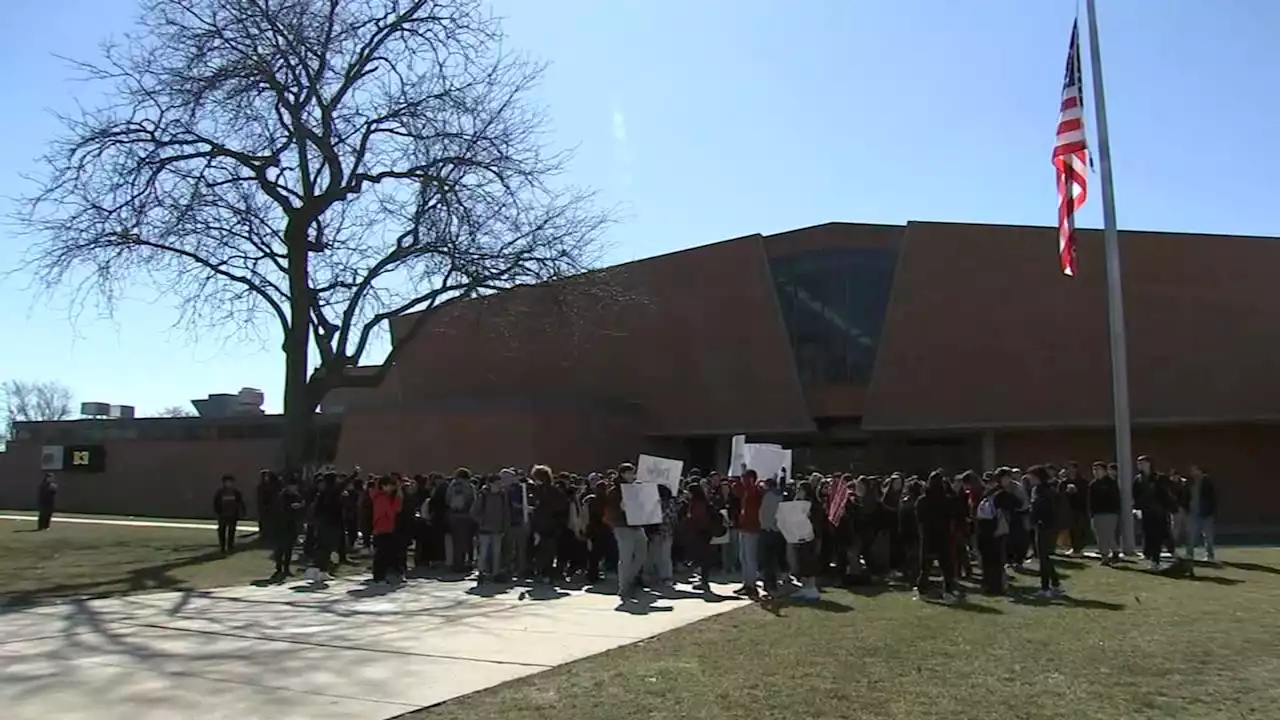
[
  {"x": 1130, "y": 645},
  {"x": 84, "y": 560}
]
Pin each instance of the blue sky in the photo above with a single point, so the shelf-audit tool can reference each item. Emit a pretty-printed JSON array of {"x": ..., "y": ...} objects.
[{"x": 712, "y": 119}]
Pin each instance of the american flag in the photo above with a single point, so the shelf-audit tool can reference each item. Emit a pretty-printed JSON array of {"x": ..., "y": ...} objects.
[
  {"x": 838, "y": 501},
  {"x": 1070, "y": 156}
]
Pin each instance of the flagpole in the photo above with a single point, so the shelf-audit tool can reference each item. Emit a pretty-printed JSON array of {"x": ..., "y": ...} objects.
[{"x": 1115, "y": 296}]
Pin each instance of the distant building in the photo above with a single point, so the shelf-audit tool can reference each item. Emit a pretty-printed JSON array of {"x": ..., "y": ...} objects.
[{"x": 220, "y": 405}]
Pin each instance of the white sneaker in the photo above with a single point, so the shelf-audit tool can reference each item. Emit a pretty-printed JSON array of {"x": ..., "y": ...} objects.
[
  {"x": 309, "y": 574},
  {"x": 1045, "y": 594}
]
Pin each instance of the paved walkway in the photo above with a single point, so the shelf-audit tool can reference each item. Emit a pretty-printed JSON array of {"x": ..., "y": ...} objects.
[
  {"x": 58, "y": 519},
  {"x": 346, "y": 651}
]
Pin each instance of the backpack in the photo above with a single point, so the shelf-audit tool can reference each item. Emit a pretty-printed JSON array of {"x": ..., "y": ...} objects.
[
  {"x": 718, "y": 524},
  {"x": 987, "y": 509},
  {"x": 459, "y": 497}
]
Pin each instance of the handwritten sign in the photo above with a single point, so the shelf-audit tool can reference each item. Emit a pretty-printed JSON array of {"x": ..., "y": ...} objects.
[
  {"x": 641, "y": 504},
  {"x": 793, "y": 521},
  {"x": 660, "y": 471},
  {"x": 767, "y": 460}
]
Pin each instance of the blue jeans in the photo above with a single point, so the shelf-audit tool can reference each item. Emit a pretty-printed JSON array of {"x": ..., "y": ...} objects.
[
  {"x": 489, "y": 561},
  {"x": 660, "y": 570},
  {"x": 632, "y": 546},
  {"x": 1201, "y": 527},
  {"x": 749, "y": 557}
]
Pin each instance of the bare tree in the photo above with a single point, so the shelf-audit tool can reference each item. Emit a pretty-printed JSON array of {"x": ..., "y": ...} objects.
[
  {"x": 33, "y": 401},
  {"x": 320, "y": 165},
  {"x": 175, "y": 411}
]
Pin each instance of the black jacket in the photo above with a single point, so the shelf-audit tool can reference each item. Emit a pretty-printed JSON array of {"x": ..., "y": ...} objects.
[
  {"x": 287, "y": 519},
  {"x": 935, "y": 512},
  {"x": 228, "y": 504},
  {"x": 46, "y": 494},
  {"x": 1153, "y": 494},
  {"x": 1044, "y": 508},
  {"x": 1104, "y": 496},
  {"x": 1208, "y": 496}
]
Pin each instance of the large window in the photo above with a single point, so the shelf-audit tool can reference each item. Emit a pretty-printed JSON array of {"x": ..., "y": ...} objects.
[{"x": 833, "y": 303}]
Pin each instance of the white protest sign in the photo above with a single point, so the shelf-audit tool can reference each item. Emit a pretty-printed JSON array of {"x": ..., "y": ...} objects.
[
  {"x": 737, "y": 455},
  {"x": 767, "y": 460},
  {"x": 793, "y": 521},
  {"x": 663, "y": 471},
  {"x": 641, "y": 503}
]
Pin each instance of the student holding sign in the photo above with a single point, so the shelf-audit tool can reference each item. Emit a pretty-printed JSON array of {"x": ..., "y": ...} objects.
[{"x": 628, "y": 509}]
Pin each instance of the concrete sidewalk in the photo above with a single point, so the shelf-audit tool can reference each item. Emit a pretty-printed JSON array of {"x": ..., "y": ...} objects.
[
  {"x": 251, "y": 528},
  {"x": 346, "y": 651}
]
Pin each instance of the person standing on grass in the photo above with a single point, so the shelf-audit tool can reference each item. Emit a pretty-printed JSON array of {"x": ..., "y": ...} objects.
[
  {"x": 1204, "y": 506},
  {"x": 749, "y": 494},
  {"x": 46, "y": 498},
  {"x": 994, "y": 510},
  {"x": 1077, "y": 505},
  {"x": 808, "y": 559},
  {"x": 1044, "y": 514},
  {"x": 1155, "y": 501},
  {"x": 772, "y": 546},
  {"x": 285, "y": 521},
  {"x": 1104, "y": 508},
  {"x": 228, "y": 507},
  {"x": 934, "y": 512}
]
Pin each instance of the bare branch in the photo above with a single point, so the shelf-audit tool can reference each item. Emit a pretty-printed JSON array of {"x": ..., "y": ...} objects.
[{"x": 323, "y": 165}]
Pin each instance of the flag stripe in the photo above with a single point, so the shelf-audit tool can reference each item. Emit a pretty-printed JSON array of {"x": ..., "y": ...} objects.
[{"x": 1071, "y": 156}]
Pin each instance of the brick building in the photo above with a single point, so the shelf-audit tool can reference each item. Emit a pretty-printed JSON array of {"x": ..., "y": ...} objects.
[{"x": 866, "y": 347}]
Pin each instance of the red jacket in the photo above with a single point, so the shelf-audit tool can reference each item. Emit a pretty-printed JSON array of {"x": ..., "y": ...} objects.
[
  {"x": 749, "y": 514},
  {"x": 386, "y": 508}
]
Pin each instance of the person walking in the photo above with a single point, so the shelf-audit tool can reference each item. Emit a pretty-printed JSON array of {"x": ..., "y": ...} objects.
[
  {"x": 229, "y": 508},
  {"x": 631, "y": 539}
]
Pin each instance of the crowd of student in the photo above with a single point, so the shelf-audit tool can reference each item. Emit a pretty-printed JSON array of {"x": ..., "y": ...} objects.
[{"x": 554, "y": 527}]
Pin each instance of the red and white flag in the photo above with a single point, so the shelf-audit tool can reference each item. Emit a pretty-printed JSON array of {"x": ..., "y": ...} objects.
[
  {"x": 1071, "y": 156},
  {"x": 838, "y": 501}
]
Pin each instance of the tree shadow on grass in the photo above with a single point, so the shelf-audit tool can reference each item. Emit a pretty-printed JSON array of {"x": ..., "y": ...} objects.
[
  {"x": 1181, "y": 572},
  {"x": 149, "y": 577},
  {"x": 823, "y": 605},
  {"x": 1252, "y": 567},
  {"x": 969, "y": 607},
  {"x": 1028, "y": 596}
]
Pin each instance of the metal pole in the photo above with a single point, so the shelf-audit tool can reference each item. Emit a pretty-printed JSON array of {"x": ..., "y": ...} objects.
[{"x": 1115, "y": 296}]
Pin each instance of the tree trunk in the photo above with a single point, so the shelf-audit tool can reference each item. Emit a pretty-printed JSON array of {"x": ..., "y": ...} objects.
[{"x": 298, "y": 407}]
